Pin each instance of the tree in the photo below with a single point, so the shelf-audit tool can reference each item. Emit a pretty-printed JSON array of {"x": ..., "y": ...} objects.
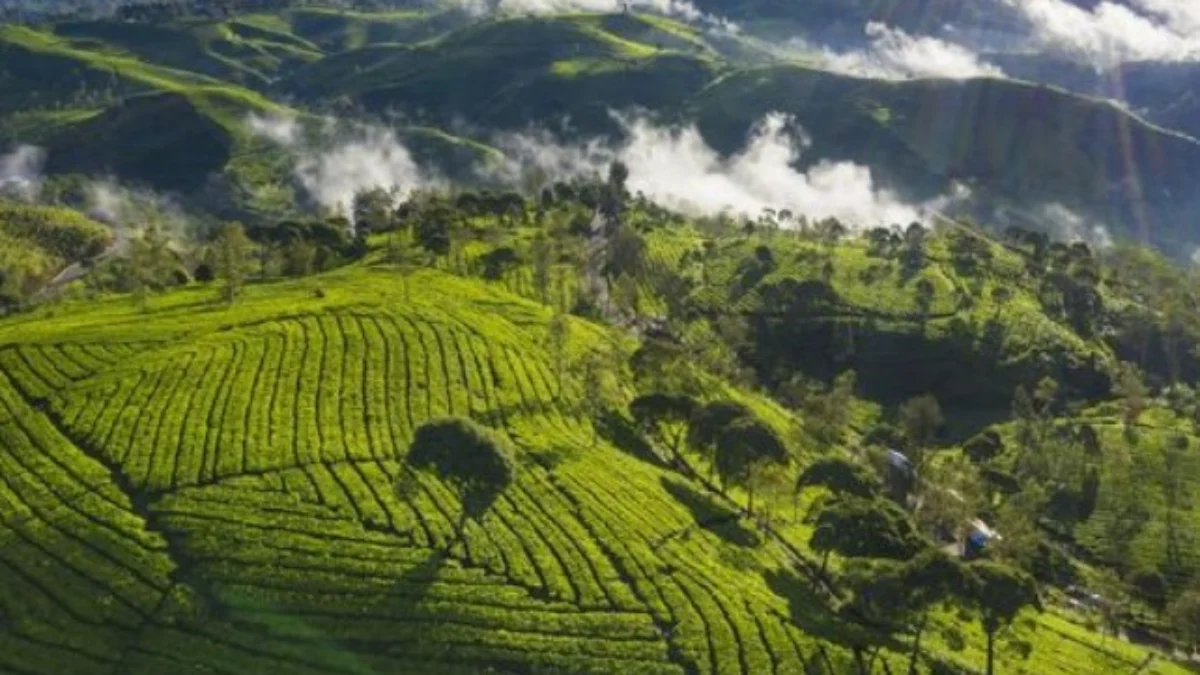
[
  {"x": 1000, "y": 593},
  {"x": 434, "y": 219},
  {"x": 614, "y": 190},
  {"x": 559, "y": 334},
  {"x": 984, "y": 446},
  {"x": 232, "y": 255},
  {"x": 600, "y": 375},
  {"x": 373, "y": 210},
  {"x": 149, "y": 262},
  {"x": 914, "y": 248},
  {"x": 864, "y": 528},
  {"x": 744, "y": 447},
  {"x": 542, "y": 255},
  {"x": 921, "y": 419},
  {"x": 707, "y": 424},
  {"x": 666, "y": 417},
  {"x": 1184, "y": 617},
  {"x": 924, "y": 296},
  {"x": 950, "y": 495},
  {"x": 840, "y": 476},
  {"x": 1129, "y": 386},
  {"x": 472, "y": 458},
  {"x": 900, "y": 596},
  {"x": 827, "y": 414},
  {"x": 1151, "y": 587}
]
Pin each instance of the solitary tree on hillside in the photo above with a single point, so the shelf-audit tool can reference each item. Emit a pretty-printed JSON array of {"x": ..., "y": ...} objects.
[
  {"x": 745, "y": 447},
  {"x": 232, "y": 255},
  {"x": 600, "y": 374},
  {"x": 472, "y": 458},
  {"x": 148, "y": 256},
  {"x": 1000, "y": 593},
  {"x": 666, "y": 417}
]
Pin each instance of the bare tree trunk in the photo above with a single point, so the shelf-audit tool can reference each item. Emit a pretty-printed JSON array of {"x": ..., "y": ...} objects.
[
  {"x": 916, "y": 649},
  {"x": 991, "y": 653}
]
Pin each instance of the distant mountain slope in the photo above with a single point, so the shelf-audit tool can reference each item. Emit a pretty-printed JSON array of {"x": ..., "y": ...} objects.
[{"x": 1014, "y": 144}]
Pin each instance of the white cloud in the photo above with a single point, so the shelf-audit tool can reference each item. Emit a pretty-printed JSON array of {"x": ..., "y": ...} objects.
[
  {"x": 895, "y": 55},
  {"x": 21, "y": 172},
  {"x": 277, "y": 128},
  {"x": 1068, "y": 226},
  {"x": 341, "y": 160},
  {"x": 1112, "y": 33},
  {"x": 679, "y": 9},
  {"x": 128, "y": 209},
  {"x": 675, "y": 167},
  {"x": 1182, "y": 16}
]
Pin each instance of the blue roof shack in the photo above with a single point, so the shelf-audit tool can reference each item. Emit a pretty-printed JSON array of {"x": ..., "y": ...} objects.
[
  {"x": 900, "y": 461},
  {"x": 979, "y": 535}
]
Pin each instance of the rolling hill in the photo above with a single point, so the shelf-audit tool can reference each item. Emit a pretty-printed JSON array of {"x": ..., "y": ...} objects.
[
  {"x": 225, "y": 489},
  {"x": 1019, "y": 147}
]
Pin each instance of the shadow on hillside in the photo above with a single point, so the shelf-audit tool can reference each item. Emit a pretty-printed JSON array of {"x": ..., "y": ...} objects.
[
  {"x": 620, "y": 433},
  {"x": 711, "y": 515},
  {"x": 810, "y": 612}
]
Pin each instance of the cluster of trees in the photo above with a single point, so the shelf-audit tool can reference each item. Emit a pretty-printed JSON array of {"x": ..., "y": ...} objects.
[
  {"x": 154, "y": 262},
  {"x": 738, "y": 447}
]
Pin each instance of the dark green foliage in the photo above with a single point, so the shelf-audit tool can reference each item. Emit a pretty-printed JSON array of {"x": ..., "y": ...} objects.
[
  {"x": 666, "y": 416},
  {"x": 984, "y": 446},
  {"x": 432, "y": 226},
  {"x": 711, "y": 419},
  {"x": 744, "y": 446},
  {"x": 498, "y": 261},
  {"x": 140, "y": 139},
  {"x": 921, "y": 419},
  {"x": 898, "y": 596},
  {"x": 999, "y": 593},
  {"x": 1151, "y": 586},
  {"x": 865, "y": 528},
  {"x": 471, "y": 457},
  {"x": 841, "y": 476}
]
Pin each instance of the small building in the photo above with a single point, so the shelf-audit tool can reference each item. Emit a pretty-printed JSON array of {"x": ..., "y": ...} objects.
[{"x": 978, "y": 535}]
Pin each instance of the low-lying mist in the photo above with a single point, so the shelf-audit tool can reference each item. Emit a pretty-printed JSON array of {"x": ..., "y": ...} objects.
[
  {"x": 335, "y": 161},
  {"x": 21, "y": 172},
  {"x": 671, "y": 165},
  {"x": 675, "y": 167}
]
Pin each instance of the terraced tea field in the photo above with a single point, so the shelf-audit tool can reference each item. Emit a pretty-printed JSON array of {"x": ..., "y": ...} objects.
[
  {"x": 211, "y": 489},
  {"x": 233, "y": 499}
]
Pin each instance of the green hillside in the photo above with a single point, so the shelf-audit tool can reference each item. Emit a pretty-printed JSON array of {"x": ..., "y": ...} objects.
[
  {"x": 37, "y": 242},
  {"x": 266, "y": 519},
  {"x": 1018, "y": 146}
]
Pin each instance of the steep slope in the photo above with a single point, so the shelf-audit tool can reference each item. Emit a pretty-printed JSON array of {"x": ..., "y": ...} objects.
[
  {"x": 512, "y": 72},
  {"x": 1027, "y": 143}
]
